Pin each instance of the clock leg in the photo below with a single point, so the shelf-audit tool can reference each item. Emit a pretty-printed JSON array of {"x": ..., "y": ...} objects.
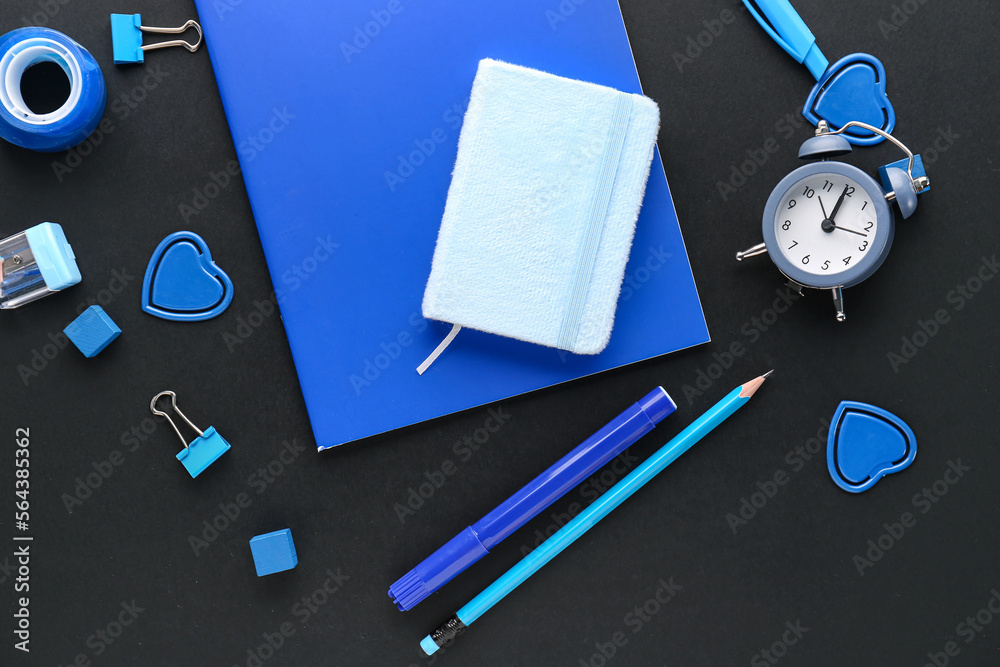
[
  {"x": 838, "y": 303},
  {"x": 758, "y": 249},
  {"x": 792, "y": 285}
]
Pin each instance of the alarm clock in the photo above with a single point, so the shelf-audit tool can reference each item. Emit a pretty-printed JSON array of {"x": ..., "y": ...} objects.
[{"x": 828, "y": 225}]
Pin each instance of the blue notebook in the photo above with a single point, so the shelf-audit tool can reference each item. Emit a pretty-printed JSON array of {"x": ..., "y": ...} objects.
[{"x": 346, "y": 118}]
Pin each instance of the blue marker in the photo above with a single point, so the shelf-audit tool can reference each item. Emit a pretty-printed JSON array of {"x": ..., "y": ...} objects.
[
  {"x": 475, "y": 541},
  {"x": 600, "y": 508},
  {"x": 787, "y": 28}
]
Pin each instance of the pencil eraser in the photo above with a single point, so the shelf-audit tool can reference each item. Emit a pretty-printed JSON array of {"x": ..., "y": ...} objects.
[{"x": 428, "y": 645}]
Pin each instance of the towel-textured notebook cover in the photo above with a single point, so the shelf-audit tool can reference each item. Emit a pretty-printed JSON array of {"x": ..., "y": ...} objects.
[
  {"x": 542, "y": 207},
  {"x": 347, "y": 132}
]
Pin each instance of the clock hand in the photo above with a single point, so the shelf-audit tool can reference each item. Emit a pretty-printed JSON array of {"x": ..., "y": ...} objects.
[
  {"x": 836, "y": 207},
  {"x": 823, "y": 208},
  {"x": 851, "y": 231}
]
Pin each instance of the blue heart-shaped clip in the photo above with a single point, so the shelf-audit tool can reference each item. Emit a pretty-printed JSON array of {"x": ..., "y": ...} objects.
[
  {"x": 865, "y": 444},
  {"x": 853, "y": 88},
  {"x": 182, "y": 283}
]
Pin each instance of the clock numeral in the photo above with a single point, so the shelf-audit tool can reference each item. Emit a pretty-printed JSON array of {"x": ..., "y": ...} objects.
[
  {"x": 850, "y": 191},
  {"x": 794, "y": 243},
  {"x": 805, "y": 260},
  {"x": 847, "y": 260},
  {"x": 786, "y": 225},
  {"x": 863, "y": 246},
  {"x": 864, "y": 205},
  {"x": 828, "y": 186},
  {"x": 868, "y": 226},
  {"x": 809, "y": 192},
  {"x": 826, "y": 265},
  {"x": 791, "y": 203}
]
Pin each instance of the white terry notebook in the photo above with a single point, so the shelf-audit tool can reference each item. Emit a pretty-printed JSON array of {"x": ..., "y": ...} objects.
[{"x": 541, "y": 210}]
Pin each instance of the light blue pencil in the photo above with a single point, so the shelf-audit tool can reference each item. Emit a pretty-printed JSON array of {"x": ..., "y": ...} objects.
[{"x": 600, "y": 508}]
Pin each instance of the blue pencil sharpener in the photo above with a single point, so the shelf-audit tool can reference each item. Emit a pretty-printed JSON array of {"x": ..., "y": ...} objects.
[{"x": 35, "y": 263}]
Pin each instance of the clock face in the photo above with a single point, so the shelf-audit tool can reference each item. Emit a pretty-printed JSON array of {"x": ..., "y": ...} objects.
[{"x": 826, "y": 224}]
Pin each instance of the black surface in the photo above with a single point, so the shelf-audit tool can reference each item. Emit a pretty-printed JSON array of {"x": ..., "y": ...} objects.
[{"x": 793, "y": 562}]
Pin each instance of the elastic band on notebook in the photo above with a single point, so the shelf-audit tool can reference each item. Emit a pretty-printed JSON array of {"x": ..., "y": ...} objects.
[
  {"x": 455, "y": 328},
  {"x": 587, "y": 254}
]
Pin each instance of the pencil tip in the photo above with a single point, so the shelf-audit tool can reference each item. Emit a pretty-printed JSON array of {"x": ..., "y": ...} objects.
[{"x": 751, "y": 387}]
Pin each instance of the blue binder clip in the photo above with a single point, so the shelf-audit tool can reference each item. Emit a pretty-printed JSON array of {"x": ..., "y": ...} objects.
[
  {"x": 201, "y": 452},
  {"x": 126, "y": 38}
]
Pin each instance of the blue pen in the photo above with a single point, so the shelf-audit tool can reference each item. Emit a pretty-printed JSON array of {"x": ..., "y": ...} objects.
[
  {"x": 476, "y": 540},
  {"x": 787, "y": 28},
  {"x": 600, "y": 508}
]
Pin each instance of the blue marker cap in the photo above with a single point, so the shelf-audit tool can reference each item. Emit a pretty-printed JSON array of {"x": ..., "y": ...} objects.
[
  {"x": 780, "y": 20},
  {"x": 476, "y": 540}
]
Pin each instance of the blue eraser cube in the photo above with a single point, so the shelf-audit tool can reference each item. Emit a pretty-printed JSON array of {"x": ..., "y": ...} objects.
[
  {"x": 918, "y": 170},
  {"x": 273, "y": 552},
  {"x": 203, "y": 451},
  {"x": 126, "y": 39},
  {"x": 92, "y": 331}
]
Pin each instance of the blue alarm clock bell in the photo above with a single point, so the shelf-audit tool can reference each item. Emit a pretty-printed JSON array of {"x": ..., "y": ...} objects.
[{"x": 829, "y": 225}]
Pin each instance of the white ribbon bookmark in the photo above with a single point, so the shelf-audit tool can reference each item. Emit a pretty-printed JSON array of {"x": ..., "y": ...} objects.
[{"x": 455, "y": 328}]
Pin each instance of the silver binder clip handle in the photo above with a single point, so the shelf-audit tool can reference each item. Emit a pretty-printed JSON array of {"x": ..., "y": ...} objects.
[
  {"x": 175, "y": 42},
  {"x": 160, "y": 413}
]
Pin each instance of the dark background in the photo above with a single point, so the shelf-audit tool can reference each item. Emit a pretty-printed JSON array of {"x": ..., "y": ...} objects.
[{"x": 793, "y": 562}]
